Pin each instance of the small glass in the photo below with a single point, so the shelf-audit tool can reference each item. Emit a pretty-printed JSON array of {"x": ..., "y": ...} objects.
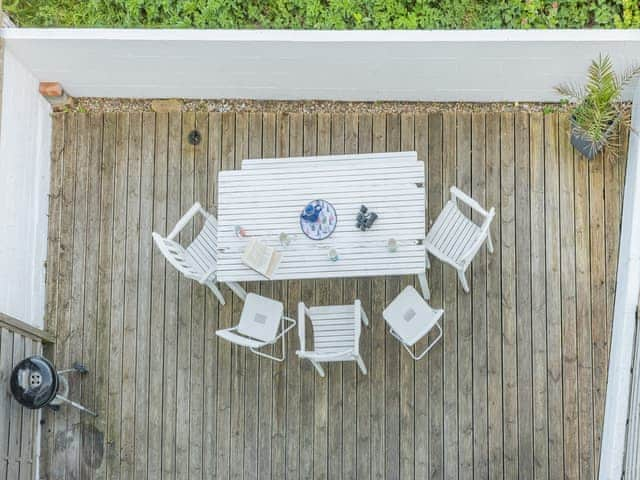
[
  {"x": 392, "y": 245},
  {"x": 240, "y": 231},
  {"x": 333, "y": 255},
  {"x": 285, "y": 239}
]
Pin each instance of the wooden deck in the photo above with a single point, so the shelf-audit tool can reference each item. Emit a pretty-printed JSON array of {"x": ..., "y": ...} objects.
[{"x": 515, "y": 389}]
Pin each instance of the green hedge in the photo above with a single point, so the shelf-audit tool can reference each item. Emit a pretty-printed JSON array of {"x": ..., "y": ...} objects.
[{"x": 328, "y": 14}]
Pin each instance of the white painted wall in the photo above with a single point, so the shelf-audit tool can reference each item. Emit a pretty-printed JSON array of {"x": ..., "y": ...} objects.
[
  {"x": 624, "y": 315},
  {"x": 25, "y": 136},
  {"x": 476, "y": 66}
]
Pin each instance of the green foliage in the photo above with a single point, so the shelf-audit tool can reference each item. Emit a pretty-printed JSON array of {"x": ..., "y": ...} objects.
[
  {"x": 597, "y": 104},
  {"x": 328, "y": 14}
]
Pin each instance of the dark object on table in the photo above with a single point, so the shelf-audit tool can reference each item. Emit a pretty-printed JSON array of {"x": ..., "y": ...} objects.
[
  {"x": 365, "y": 219},
  {"x": 36, "y": 384},
  {"x": 195, "y": 137}
]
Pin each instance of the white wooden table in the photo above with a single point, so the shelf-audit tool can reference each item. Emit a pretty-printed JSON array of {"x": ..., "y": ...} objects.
[{"x": 267, "y": 196}]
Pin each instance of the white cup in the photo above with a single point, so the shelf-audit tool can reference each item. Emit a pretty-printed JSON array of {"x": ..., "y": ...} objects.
[{"x": 333, "y": 254}]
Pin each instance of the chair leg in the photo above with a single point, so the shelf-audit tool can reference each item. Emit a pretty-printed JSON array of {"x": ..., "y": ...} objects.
[
  {"x": 426, "y": 261},
  {"x": 238, "y": 290},
  {"x": 489, "y": 243},
  {"x": 424, "y": 286},
  {"x": 463, "y": 280},
  {"x": 216, "y": 291},
  {"x": 361, "y": 364},
  {"x": 363, "y": 317},
  {"x": 318, "y": 367}
]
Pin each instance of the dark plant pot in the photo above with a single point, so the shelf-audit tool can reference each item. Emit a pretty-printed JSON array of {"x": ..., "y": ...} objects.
[{"x": 588, "y": 148}]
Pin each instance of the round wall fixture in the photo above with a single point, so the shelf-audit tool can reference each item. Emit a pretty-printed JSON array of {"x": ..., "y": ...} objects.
[{"x": 194, "y": 137}]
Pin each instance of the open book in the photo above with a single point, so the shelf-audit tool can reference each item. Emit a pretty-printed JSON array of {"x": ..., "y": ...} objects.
[{"x": 262, "y": 258}]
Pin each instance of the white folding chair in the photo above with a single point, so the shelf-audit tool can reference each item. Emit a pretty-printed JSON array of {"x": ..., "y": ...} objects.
[
  {"x": 410, "y": 318},
  {"x": 199, "y": 260},
  {"x": 258, "y": 327},
  {"x": 455, "y": 239},
  {"x": 336, "y": 334}
]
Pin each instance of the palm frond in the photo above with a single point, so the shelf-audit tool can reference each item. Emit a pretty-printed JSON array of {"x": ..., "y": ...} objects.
[
  {"x": 598, "y": 110},
  {"x": 629, "y": 74}
]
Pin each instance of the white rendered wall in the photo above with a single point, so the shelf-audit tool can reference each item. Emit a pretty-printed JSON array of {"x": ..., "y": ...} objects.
[
  {"x": 624, "y": 315},
  {"x": 25, "y": 136},
  {"x": 476, "y": 66}
]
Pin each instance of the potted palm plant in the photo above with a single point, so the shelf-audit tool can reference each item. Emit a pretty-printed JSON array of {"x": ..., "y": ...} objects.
[{"x": 597, "y": 109}]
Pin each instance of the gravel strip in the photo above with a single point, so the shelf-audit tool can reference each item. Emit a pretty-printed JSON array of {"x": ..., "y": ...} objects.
[{"x": 308, "y": 106}]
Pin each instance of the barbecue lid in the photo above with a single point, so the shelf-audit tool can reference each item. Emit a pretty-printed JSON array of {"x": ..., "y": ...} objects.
[{"x": 34, "y": 382}]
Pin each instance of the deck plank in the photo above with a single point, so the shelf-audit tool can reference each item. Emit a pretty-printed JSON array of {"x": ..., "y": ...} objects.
[
  {"x": 76, "y": 331},
  {"x": 529, "y": 344},
  {"x": 89, "y": 456},
  {"x": 377, "y": 366},
  {"x": 105, "y": 275},
  {"x": 599, "y": 334},
  {"x": 118, "y": 285},
  {"x": 422, "y": 142},
  {"x": 132, "y": 276},
  {"x": 157, "y": 292},
  {"x": 199, "y": 292},
  {"x": 583, "y": 317},
  {"x": 169, "y": 405},
  {"x": 568, "y": 286},
  {"x": 6, "y": 365},
  {"x": 210, "y": 370},
  {"x": 538, "y": 297},
  {"x": 479, "y": 304},
  {"x": 65, "y": 278},
  {"x": 448, "y": 465},
  {"x": 523, "y": 295},
  {"x": 145, "y": 253},
  {"x": 509, "y": 319},
  {"x": 465, "y": 321},
  {"x": 554, "y": 306}
]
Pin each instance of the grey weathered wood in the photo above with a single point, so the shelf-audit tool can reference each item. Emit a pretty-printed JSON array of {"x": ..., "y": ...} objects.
[
  {"x": 157, "y": 291},
  {"x": 583, "y": 317},
  {"x": 282, "y": 420},
  {"x": 267, "y": 146},
  {"x": 392, "y": 348},
  {"x": 465, "y": 325},
  {"x": 538, "y": 297},
  {"x": 554, "y": 307},
  {"x": 65, "y": 273},
  {"x": 74, "y": 341},
  {"x": 14, "y": 419},
  {"x": 288, "y": 137},
  {"x": 210, "y": 371},
  {"x": 349, "y": 369},
  {"x": 599, "y": 334},
  {"x": 89, "y": 456},
  {"x": 479, "y": 304},
  {"x": 448, "y": 465},
  {"x": 28, "y": 426},
  {"x": 169, "y": 406},
  {"x": 238, "y": 354},
  {"x": 145, "y": 262},
  {"x": 407, "y": 384},
  {"x": 131, "y": 279},
  {"x": 225, "y": 321},
  {"x": 115, "y": 368},
  {"x": 363, "y": 429},
  {"x": 334, "y": 137},
  {"x": 523, "y": 295},
  {"x": 104, "y": 289},
  {"x": 509, "y": 319},
  {"x": 6, "y": 364},
  {"x": 378, "y": 334},
  {"x": 568, "y": 286},
  {"x": 252, "y": 393}
]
